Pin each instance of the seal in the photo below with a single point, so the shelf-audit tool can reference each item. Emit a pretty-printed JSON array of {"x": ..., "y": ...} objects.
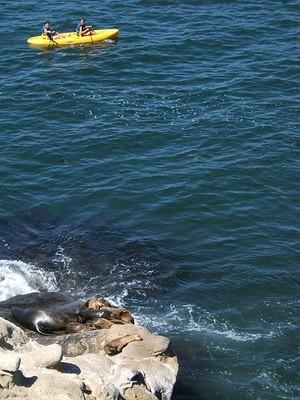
[
  {"x": 102, "y": 323},
  {"x": 91, "y": 314},
  {"x": 119, "y": 313},
  {"x": 117, "y": 345},
  {"x": 110, "y": 313},
  {"x": 95, "y": 303},
  {"x": 41, "y": 321}
]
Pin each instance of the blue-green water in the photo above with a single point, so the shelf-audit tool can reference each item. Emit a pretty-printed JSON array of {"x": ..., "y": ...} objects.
[{"x": 162, "y": 171}]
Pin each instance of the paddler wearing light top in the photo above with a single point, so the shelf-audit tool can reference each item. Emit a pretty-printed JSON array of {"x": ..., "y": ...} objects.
[
  {"x": 48, "y": 31},
  {"x": 83, "y": 29}
]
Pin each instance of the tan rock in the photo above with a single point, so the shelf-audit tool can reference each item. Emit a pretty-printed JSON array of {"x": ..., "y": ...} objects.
[
  {"x": 77, "y": 343},
  {"x": 61, "y": 397},
  {"x": 11, "y": 335},
  {"x": 9, "y": 362},
  {"x": 33, "y": 355},
  {"x": 94, "y": 370},
  {"x": 103, "y": 375},
  {"x": 52, "y": 384},
  {"x": 5, "y": 383},
  {"x": 159, "y": 377},
  {"x": 137, "y": 392}
]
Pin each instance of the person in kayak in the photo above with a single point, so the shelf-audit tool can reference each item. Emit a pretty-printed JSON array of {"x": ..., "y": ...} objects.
[
  {"x": 83, "y": 29},
  {"x": 48, "y": 31}
]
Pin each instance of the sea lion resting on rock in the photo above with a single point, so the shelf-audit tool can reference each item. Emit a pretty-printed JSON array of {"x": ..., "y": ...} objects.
[
  {"x": 95, "y": 313},
  {"x": 43, "y": 322},
  {"x": 98, "y": 307},
  {"x": 95, "y": 303},
  {"x": 117, "y": 345},
  {"x": 110, "y": 313}
]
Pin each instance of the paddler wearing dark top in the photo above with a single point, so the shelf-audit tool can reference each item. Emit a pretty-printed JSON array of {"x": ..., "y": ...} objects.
[{"x": 83, "y": 29}]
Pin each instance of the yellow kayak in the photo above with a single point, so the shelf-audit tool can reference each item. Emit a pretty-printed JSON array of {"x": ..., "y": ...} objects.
[{"x": 71, "y": 38}]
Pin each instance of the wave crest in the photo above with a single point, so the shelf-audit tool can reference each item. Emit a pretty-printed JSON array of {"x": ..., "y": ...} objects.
[{"x": 17, "y": 277}]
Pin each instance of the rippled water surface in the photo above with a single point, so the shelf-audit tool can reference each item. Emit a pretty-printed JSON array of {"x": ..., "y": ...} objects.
[{"x": 162, "y": 171}]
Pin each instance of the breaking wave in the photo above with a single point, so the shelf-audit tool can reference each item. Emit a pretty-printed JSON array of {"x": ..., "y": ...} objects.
[{"x": 17, "y": 277}]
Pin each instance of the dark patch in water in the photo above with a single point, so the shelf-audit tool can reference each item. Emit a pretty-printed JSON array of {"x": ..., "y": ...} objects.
[{"x": 92, "y": 252}]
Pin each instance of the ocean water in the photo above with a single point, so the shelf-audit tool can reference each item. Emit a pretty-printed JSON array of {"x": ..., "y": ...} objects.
[{"x": 162, "y": 171}]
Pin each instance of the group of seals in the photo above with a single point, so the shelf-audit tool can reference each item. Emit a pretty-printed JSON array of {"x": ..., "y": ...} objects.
[{"x": 95, "y": 313}]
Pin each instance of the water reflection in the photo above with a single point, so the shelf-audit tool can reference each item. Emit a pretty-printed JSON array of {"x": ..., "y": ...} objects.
[{"x": 85, "y": 49}]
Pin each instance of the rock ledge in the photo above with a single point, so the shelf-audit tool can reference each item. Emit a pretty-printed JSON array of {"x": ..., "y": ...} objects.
[{"x": 123, "y": 361}]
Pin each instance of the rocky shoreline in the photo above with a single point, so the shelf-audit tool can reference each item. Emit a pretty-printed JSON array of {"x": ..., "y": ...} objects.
[{"x": 98, "y": 360}]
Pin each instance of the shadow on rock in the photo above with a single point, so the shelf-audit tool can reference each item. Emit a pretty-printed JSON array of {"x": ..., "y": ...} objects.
[
  {"x": 21, "y": 380},
  {"x": 68, "y": 368}
]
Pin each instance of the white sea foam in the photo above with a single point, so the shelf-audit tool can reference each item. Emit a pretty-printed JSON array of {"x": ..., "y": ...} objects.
[
  {"x": 17, "y": 277},
  {"x": 186, "y": 318},
  {"x": 230, "y": 333},
  {"x": 62, "y": 258}
]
